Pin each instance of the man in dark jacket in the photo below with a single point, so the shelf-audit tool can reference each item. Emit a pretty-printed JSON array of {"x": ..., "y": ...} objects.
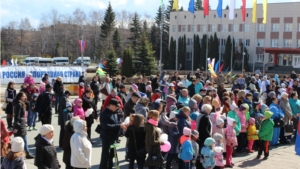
[
  {"x": 122, "y": 94},
  {"x": 95, "y": 87},
  {"x": 191, "y": 88},
  {"x": 154, "y": 83},
  {"x": 43, "y": 105},
  {"x": 128, "y": 108},
  {"x": 176, "y": 77},
  {"x": 141, "y": 85},
  {"x": 110, "y": 127},
  {"x": 82, "y": 78},
  {"x": 62, "y": 105},
  {"x": 58, "y": 89},
  {"x": 45, "y": 78}
]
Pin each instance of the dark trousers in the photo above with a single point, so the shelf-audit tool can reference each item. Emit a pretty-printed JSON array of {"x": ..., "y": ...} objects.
[
  {"x": 46, "y": 119},
  {"x": 263, "y": 147},
  {"x": 241, "y": 138},
  {"x": 68, "y": 166},
  {"x": 186, "y": 165},
  {"x": 9, "y": 119},
  {"x": 140, "y": 163},
  {"x": 61, "y": 135},
  {"x": 107, "y": 155},
  {"x": 218, "y": 167},
  {"x": 89, "y": 126},
  {"x": 170, "y": 158},
  {"x": 282, "y": 137}
]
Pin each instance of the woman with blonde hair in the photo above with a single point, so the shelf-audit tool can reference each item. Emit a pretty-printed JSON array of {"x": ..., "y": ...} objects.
[
  {"x": 241, "y": 96},
  {"x": 207, "y": 100},
  {"x": 15, "y": 158}
]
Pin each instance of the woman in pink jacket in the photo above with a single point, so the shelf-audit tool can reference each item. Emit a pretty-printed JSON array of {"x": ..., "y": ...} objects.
[
  {"x": 29, "y": 79},
  {"x": 231, "y": 141},
  {"x": 243, "y": 134},
  {"x": 78, "y": 110}
]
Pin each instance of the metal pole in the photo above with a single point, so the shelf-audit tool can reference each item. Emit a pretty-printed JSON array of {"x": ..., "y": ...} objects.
[
  {"x": 193, "y": 43},
  {"x": 206, "y": 44},
  {"x": 160, "y": 51},
  {"x": 253, "y": 58},
  {"x": 177, "y": 42},
  {"x": 243, "y": 50},
  {"x": 231, "y": 50},
  {"x": 220, "y": 41},
  {"x": 82, "y": 50}
]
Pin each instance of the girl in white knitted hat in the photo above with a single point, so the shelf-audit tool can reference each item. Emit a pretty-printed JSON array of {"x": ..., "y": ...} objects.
[{"x": 15, "y": 158}]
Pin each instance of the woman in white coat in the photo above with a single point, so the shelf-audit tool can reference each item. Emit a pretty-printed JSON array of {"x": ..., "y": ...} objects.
[{"x": 81, "y": 147}]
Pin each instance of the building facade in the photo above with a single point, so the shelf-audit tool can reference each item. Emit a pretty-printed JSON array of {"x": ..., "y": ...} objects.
[{"x": 282, "y": 31}]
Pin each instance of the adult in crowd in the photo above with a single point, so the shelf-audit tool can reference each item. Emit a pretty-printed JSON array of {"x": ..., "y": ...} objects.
[
  {"x": 136, "y": 142},
  {"x": 95, "y": 87},
  {"x": 183, "y": 97},
  {"x": 58, "y": 89},
  {"x": 220, "y": 79},
  {"x": 198, "y": 85},
  {"x": 99, "y": 79},
  {"x": 9, "y": 96},
  {"x": 295, "y": 104},
  {"x": 46, "y": 156},
  {"x": 19, "y": 126},
  {"x": 257, "y": 82},
  {"x": 198, "y": 73},
  {"x": 241, "y": 82},
  {"x": 142, "y": 107},
  {"x": 43, "y": 105},
  {"x": 129, "y": 106},
  {"x": 82, "y": 79},
  {"x": 62, "y": 105},
  {"x": 113, "y": 95},
  {"x": 15, "y": 159},
  {"x": 110, "y": 127},
  {"x": 155, "y": 83},
  {"x": 264, "y": 84},
  {"x": 156, "y": 95},
  {"x": 122, "y": 94},
  {"x": 141, "y": 86},
  {"x": 45, "y": 78},
  {"x": 87, "y": 103},
  {"x": 106, "y": 85},
  {"x": 175, "y": 77},
  {"x": 293, "y": 75},
  {"x": 191, "y": 88},
  {"x": 278, "y": 120},
  {"x": 81, "y": 148},
  {"x": 287, "y": 110}
]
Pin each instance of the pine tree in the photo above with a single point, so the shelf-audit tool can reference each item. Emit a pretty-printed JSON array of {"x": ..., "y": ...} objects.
[
  {"x": 203, "y": 50},
  {"x": 182, "y": 51},
  {"x": 145, "y": 29},
  {"x": 246, "y": 57},
  {"x": 211, "y": 47},
  {"x": 227, "y": 7},
  {"x": 127, "y": 69},
  {"x": 198, "y": 5},
  {"x": 154, "y": 34},
  {"x": 135, "y": 29},
  {"x": 215, "y": 50},
  {"x": 227, "y": 54},
  {"x": 107, "y": 28},
  {"x": 197, "y": 52},
  {"x": 111, "y": 63},
  {"x": 117, "y": 43},
  {"x": 172, "y": 55}
]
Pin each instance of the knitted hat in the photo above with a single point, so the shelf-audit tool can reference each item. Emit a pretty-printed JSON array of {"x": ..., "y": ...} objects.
[
  {"x": 45, "y": 129},
  {"x": 17, "y": 144},
  {"x": 68, "y": 104},
  {"x": 252, "y": 120},
  {"x": 246, "y": 106},
  {"x": 134, "y": 87},
  {"x": 195, "y": 133},
  {"x": 264, "y": 108},
  {"x": 233, "y": 107},
  {"x": 268, "y": 114},
  {"x": 272, "y": 94},
  {"x": 194, "y": 115},
  {"x": 217, "y": 136},
  {"x": 260, "y": 115},
  {"x": 172, "y": 115},
  {"x": 223, "y": 117},
  {"x": 209, "y": 141},
  {"x": 242, "y": 107},
  {"x": 81, "y": 84},
  {"x": 148, "y": 87},
  {"x": 230, "y": 121},
  {"x": 219, "y": 121},
  {"x": 187, "y": 131}
]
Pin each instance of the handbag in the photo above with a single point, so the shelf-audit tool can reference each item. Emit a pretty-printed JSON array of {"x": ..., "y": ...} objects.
[
  {"x": 140, "y": 152},
  {"x": 278, "y": 122},
  {"x": 4, "y": 105},
  {"x": 98, "y": 129},
  {"x": 154, "y": 160},
  {"x": 289, "y": 128},
  {"x": 104, "y": 90}
]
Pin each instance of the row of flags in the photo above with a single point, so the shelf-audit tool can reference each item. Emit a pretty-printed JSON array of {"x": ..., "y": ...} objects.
[{"x": 205, "y": 5}]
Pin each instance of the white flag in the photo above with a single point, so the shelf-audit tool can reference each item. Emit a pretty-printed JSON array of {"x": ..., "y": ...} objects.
[
  {"x": 16, "y": 62},
  {"x": 231, "y": 10},
  {"x": 12, "y": 62}
]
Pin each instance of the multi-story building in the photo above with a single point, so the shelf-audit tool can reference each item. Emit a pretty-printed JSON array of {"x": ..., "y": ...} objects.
[{"x": 276, "y": 43}]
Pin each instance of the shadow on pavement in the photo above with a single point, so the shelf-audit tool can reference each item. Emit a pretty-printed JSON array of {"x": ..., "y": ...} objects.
[{"x": 249, "y": 163}]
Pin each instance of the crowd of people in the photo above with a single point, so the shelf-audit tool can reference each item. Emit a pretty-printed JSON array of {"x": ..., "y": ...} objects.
[{"x": 190, "y": 121}]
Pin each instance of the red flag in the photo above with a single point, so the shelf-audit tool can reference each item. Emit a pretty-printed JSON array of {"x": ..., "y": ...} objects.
[
  {"x": 206, "y": 7},
  {"x": 244, "y": 10},
  {"x": 221, "y": 67}
]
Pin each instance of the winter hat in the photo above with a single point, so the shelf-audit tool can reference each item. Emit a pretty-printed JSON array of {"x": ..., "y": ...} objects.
[
  {"x": 264, "y": 108},
  {"x": 219, "y": 121},
  {"x": 272, "y": 94},
  {"x": 242, "y": 107},
  {"x": 233, "y": 107},
  {"x": 81, "y": 84},
  {"x": 179, "y": 84},
  {"x": 187, "y": 131},
  {"x": 179, "y": 105},
  {"x": 223, "y": 117},
  {"x": 194, "y": 115},
  {"x": 45, "y": 129},
  {"x": 230, "y": 121},
  {"x": 148, "y": 87},
  {"x": 209, "y": 141},
  {"x": 217, "y": 136},
  {"x": 77, "y": 101},
  {"x": 252, "y": 120},
  {"x": 268, "y": 114},
  {"x": 260, "y": 115},
  {"x": 69, "y": 104},
  {"x": 195, "y": 133},
  {"x": 246, "y": 106},
  {"x": 17, "y": 144},
  {"x": 282, "y": 90},
  {"x": 172, "y": 115},
  {"x": 134, "y": 87}
]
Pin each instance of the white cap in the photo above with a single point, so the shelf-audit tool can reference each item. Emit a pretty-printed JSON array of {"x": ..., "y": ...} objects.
[
  {"x": 45, "y": 129},
  {"x": 207, "y": 81},
  {"x": 17, "y": 144}
]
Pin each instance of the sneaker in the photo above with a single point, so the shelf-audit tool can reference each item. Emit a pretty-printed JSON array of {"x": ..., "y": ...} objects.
[
  {"x": 265, "y": 158},
  {"x": 29, "y": 129},
  {"x": 34, "y": 128},
  {"x": 258, "y": 157},
  {"x": 29, "y": 156},
  {"x": 250, "y": 151}
]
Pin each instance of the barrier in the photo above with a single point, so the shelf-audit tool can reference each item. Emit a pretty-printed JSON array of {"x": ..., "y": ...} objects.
[{"x": 70, "y": 74}]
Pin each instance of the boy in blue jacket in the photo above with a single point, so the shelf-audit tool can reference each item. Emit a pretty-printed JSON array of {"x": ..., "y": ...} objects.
[{"x": 186, "y": 153}]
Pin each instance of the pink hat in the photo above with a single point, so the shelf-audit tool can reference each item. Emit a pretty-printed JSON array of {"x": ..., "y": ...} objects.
[
  {"x": 187, "y": 131},
  {"x": 77, "y": 101},
  {"x": 135, "y": 87},
  {"x": 252, "y": 120}
]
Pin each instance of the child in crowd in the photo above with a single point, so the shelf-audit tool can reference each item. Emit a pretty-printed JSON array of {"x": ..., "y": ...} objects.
[
  {"x": 68, "y": 112},
  {"x": 186, "y": 153},
  {"x": 231, "y": 140},
  {"x": 208, "y": 154},
  {"x": 78, "y": 110},
  {"x": 242, "y": 135},
  {"x": 218, "y": 150},
  {"x": 195, "y": 136},
  {"x": 265, "y": 135},
  {"x": 224, "y": 118},
  {"x": 81, "y": 89},
  {"x": 32, "y": 114},
  {"x": 149, "y": 91},
  {"x": 251, "y": 134},
  {"x": 219, "y": 129},
  {"x": 173, "y": 139}
]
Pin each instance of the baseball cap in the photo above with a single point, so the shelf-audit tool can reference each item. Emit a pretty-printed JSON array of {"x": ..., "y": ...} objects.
[{"x": 114, "y": 102}]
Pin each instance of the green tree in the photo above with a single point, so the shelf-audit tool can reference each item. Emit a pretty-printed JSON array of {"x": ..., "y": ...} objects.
[
  {"x": 211, "y": 47},
  {"x": 111, "y": 63},
  {"x": 135, "y": 29},
  {"x": 182, "y": 51},
  {"x": 215, "y": 49},
  {"x": 227, "y": 54},
  {"x": 227, "y": 7},
  {"x": 117, "y": 44},
  {"x": 197, "y": 52},
  {"x": 246, "y": 56},
  {"x": 127, "y": 69},
  {"x": 145, "y": 29},
  {"x": 107, "y": 28},
  {"x": 172, "y": 54},
  {"x": 198, "y": 5},
  {"x": 203, "y": 50}
]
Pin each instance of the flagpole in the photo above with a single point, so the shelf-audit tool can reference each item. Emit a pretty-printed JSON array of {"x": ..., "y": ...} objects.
[
  {"x": 193, "y": 45},
  {"x": 81, "y": 44},
  {"x": 177, "y": 41},
  {"x": 255, "y": 34},
  {"x": 243, "y": 50},
  {"x": 232, "y": 34},
  {"x": 207, "y": 37},
  {"x": 220, "y": 43}
]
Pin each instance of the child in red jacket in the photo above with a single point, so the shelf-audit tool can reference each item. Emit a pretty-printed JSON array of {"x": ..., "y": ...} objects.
[{"x": 81, "y": 89}]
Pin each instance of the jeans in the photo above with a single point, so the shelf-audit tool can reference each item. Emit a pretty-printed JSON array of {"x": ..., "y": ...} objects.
[
  {"x": 56, "y": 103},
  {"x": 32, "y": 118},
  {"x": 186, "y": 165},
  {"x": 26, "y": 149},
  {"x": 170, "y": 158},
  {"x": 276, "y": 133},
  {"x": 107, "y": 155}
]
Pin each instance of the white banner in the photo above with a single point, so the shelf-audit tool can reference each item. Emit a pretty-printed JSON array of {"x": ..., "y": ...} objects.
[{"x": 69, "y": 74}]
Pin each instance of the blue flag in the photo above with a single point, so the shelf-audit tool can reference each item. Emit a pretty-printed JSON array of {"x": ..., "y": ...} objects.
[
  {"x": 192, "y": 6},
  {"x": 219, "y": 8}
]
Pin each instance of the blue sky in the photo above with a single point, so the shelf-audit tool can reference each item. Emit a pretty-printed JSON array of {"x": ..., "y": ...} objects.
[{"x": 15, "y": 10}]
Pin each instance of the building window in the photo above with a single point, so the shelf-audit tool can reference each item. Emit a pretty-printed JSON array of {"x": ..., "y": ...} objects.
[
  {"x": 274, "y": 42},
  {"x": 247, "y": 42},
  {"x": 175, "y": 17},
  {"x": 247, "y": 15},
  {"x": 298, "y": 27},
  {"x": 224, "y": 15},
  {"x": 189, "y": 41},
  {"x": 235, "y": 28},
  {"x": 184, "y": 17},
  {"x": 275, "y": 27},
  {"x": 224, "y": 28},
  {"x": 236, "y": 15},
  {"x": 223, "y": 42},
  {"x": 288, "y": 27},
  {"x": 174, "y": 28},
  {"x": 202, "y": 28},
  {"x": 247, "y": 27},
  {"x": 214, "y": 16},
  {"x": 260, "y": 58},
  {"x": 194, "y": 16},
  {"x": 200, "y": 41},
  {"x": 261, "y": 27},
  {"x": 183, "y": 28},
  {"x": 188, "y": 56},
  {"x": 260, "y": 42},
  {"x": 287, "y": 43},
  {"x": 192, "y": 28},
  {"x": 298, "y": 43},
  {"x": 214, "y": 28}
]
